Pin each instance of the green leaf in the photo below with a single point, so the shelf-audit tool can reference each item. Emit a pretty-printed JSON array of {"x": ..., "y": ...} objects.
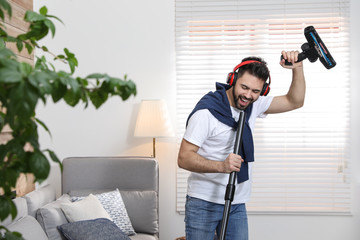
[
  {"x": 115, "y": 82},
  {"x": 60, "y": 57},
  {"x": 82, "y": 81},
  {"x": 126, "y": 89},
  {"x": 5, "y": 207},
  {"x": 6, "y": 6},
  {"x": 39, "y": 165},
  {"x": 51, "y": 26},
  {"x": 43, "y": 10},
  {"x": 43, "y": 125},
  {"x": 68, "y": 53},
  {"x": 25, "y": 68},
  {"x": 41, "y": 80},
  {"x": 29, "y": 47},
  {"x": 73, "y": 83},
  {"x": 71, "y": 98},
  {"x": 19, "y": 45},
  {"x": 96, "y": 75},
  {"x": 9, "y": 75},
  {"x": 51, "y": 16},
  {"x": 37, "y": 31},
  {"x": 84, "y": 97},
  {"x": 41, "y": 63},
  {"x": 71, "y": 60},
  {"x": 2, "y": 43},
  {"x": 31, "y": 16},
  {"x": 6, "y": 53},
  {"x": 11, "y": 39},
  {"x": 72, "y": 65},
  {"x": 3, "y": 33},
  {"x": 54, "y": 158},
  {"x": 98, "y": 97},
  {"x": 2, "y": 120},
  {"x": 59, "y": 91},
  {"x": 13, "y": 210},
  {"x": 23, "y": 100},
  {"x": 11, "y": 176},
  {"x": 9, "y": 63},
  {"x": 3, "y": 152},
  {"x": 13, "y": 236}
]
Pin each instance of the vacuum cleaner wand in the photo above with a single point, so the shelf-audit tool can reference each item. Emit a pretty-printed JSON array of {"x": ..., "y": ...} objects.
[{"x": 314, "y": 48}]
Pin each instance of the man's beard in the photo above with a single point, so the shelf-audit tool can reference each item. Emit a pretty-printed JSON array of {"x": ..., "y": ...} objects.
[{"x": 236, "y": 98}]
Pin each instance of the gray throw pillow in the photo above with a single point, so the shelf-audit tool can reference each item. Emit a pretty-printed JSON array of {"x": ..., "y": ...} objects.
[
  {"x": 113, "y": 203},
  {"x": 95, "y": 229},
  {"x": 50, "y": 216}
]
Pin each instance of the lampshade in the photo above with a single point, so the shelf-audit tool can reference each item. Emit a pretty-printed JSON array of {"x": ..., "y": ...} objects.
[{"x": 153, "y": 120}]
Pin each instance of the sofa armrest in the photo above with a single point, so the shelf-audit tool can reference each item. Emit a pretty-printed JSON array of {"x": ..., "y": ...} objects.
[
  {"x": 137, "y": 178},
  {"x": 22, "y": 211},
  {"x": 24, "y": 223},
  {"x": 39, "y": 197}
]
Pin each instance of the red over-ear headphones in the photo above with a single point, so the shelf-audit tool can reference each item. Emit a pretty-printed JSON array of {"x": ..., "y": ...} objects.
[{"x": 232, "y": 77}]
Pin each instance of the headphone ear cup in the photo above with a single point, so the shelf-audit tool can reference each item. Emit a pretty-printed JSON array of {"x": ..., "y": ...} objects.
[
  {"x": 266, "y": 89},
  {"x": 231, "y": 78}
]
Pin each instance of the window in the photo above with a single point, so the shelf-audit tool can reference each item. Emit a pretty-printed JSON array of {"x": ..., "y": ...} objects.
[{"x": 301, "y": 157}]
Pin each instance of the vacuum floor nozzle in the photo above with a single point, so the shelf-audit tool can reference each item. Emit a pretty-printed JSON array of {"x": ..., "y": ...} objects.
[{"x": 314, "y": 49}]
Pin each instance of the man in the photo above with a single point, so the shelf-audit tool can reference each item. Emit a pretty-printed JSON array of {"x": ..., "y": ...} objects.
[{"x": 208, "y": 144}]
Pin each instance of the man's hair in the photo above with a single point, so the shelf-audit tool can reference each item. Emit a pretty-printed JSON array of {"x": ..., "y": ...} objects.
[{"x": 258, "y": 70}]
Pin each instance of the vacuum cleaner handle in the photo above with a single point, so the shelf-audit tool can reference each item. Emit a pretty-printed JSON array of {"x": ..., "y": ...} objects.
[{"x": 301, "y": 57}]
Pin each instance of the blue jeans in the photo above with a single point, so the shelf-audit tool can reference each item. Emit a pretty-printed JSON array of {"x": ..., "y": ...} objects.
[{"x": 203, "y": 218}]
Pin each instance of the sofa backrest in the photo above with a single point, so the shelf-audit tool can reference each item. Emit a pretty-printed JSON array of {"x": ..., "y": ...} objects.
[
  {"x": 137, "y": 178},
  {"x": 124, "y": 173}
]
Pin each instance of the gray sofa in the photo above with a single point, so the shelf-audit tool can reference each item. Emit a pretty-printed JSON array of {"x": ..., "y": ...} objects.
[{"x": 134, "y": 178}]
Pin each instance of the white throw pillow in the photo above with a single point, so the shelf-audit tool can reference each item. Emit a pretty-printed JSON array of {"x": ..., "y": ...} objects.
[
  {"x": 114, "y": 205},
  {"x": 86, "y": 209}
]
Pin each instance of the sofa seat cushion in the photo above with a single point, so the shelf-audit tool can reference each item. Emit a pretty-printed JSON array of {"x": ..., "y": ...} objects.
[
  {"x": 29, "y": 228},
  {"x": 143, "y": 236}
]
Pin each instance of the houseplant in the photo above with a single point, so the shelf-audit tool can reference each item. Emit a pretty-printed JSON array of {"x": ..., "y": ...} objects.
[{"x": 22, "y": 86}]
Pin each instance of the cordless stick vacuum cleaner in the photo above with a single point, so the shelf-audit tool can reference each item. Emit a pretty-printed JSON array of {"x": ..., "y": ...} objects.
[
  {"x": 314, "y": 49},
  {"x": 230, "y": 188}
]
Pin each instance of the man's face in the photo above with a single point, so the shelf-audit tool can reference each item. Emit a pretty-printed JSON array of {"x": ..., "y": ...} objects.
[{"x": 247, "y": 90}]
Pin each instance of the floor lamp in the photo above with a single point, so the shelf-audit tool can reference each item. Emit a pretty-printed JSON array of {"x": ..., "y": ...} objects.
[{"x": 153, "y": 120}]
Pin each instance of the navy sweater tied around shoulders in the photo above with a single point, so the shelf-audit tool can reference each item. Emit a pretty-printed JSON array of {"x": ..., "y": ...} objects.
[{"x": 218, "y": 105}]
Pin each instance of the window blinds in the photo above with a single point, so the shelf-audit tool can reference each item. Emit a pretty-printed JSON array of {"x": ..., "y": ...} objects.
[{"x": 301, "y": 157}]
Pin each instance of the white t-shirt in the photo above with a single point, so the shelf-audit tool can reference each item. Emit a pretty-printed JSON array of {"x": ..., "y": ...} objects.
[{"x": 216, "y": 141}]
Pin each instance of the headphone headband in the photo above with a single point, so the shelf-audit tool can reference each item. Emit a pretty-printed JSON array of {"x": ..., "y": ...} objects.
[{"x": 245, "y": 63}]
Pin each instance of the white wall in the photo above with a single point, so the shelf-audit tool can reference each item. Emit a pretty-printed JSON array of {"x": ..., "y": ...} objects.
[{"x": 137, "y": 38}]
